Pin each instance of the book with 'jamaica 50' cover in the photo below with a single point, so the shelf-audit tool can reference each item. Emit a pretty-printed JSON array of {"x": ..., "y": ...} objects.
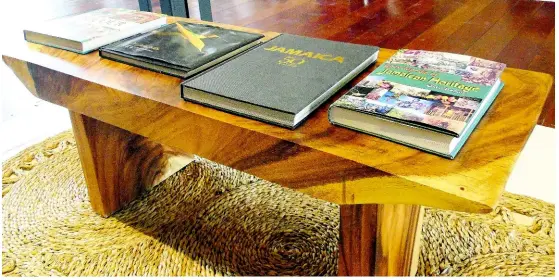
[
  {"x": 427, "y": 100},
  {"x": 281, "y": 81}
]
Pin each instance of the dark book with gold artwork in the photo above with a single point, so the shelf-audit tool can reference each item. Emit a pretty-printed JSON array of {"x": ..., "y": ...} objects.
[
  {"x": 281, "y": 81},
  {"x": 180, "y": 49}
]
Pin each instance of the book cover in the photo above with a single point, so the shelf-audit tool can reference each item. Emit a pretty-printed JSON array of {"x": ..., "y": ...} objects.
[
  {"x": 290, "y": 74},
  {"x": 182, "y": 45},
  {"x": 96, "y": 24},
  {"x": 432, "y": 90}
]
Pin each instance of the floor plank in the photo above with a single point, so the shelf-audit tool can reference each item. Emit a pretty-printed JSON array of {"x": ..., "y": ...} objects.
[
  {"x": 473, "y": 29},
  {"x": 394, "y": 22},
  {"x": 524, "y": 47},
  {"x": 503, "y": 31},
  {"x": 437, "y": 34},
  {"x": 416, "y": 27},
  {"x": 545, "y": 62}
]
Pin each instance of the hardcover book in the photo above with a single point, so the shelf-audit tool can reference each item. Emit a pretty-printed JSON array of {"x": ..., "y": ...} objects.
[
  {"x": 428, "y": 100},
  {"x": 86, "y": 32},
  {"x": 181, "y": 49},
  {"x": 281, "y": 81}
]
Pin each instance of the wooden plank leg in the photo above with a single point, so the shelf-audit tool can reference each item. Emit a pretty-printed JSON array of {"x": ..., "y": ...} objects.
[
  {"x": 381, "y": 240},
  {"x": 118, "y": 165},
  {"x": 398, "y": 239},
  {"x": 358, "y": 227}
]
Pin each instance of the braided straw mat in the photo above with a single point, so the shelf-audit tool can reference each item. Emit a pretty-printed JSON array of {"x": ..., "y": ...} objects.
[{"x": 209, "y": 219}]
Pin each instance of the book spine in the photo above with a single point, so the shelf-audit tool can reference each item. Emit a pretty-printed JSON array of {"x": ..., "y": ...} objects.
[
  {"x": 242, "y": 113},
  {"x": 59, "y": 47},
  {"x": 178, "y": 75},
  {"x": 395, "y": 141},
  {"x": 182, "y": 92}
]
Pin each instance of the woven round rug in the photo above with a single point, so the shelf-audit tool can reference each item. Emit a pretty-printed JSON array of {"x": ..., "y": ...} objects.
[{"x": 208, "y": 219}]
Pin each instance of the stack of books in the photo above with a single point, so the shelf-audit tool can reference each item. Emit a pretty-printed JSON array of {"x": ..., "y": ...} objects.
[
  {"x": 281, "y": 81},
  {"x": 428, "y": 100}
]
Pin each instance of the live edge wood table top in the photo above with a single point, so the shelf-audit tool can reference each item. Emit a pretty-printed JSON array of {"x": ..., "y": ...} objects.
[{"x": 328, "y": 162}]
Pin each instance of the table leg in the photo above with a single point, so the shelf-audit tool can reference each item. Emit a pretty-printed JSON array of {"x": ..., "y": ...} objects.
[
  {"x": 118, "y": 165},
  {"x": 381, "y": 240}
]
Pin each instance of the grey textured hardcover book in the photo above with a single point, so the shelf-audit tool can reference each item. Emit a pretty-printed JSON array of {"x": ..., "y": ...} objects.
[{"x": 283, "y": 80}]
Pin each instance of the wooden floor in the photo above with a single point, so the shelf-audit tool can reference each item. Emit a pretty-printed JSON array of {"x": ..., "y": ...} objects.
[{"x": 519, "y": 33}]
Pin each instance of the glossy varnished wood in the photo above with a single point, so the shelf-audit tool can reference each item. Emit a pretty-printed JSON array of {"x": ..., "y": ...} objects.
[
  {"x": 508, "y": 31},
  {"x": 358, "y": 229},
  {"x": 398, "y": 239},
  {"x": 381, "y": 240},
  {"x": 119, "y": 165},
  {"x": 328, "y": 162},
  {"x": 491, "y": 29}
]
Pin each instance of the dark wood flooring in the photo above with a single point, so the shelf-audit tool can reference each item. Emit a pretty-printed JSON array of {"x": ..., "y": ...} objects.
[{"x": 519, "y": 33}]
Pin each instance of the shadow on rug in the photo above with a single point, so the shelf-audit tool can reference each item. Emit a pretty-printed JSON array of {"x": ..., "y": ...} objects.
[{"x": 208, "y": 219}]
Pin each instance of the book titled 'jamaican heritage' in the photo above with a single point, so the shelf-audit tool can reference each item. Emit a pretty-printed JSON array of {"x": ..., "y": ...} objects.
[
  {"x": 427, "y": 100},
  {"x": 180, "y": 49},
  {"x": 86, "y": 32},
  {"x": 281, "y": 81}
]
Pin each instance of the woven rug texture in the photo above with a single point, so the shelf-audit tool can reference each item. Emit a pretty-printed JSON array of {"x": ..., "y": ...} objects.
[{"x": 208, "y": 219}]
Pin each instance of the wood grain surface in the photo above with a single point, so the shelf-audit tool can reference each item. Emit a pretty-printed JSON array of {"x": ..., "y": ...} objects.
[
  {"x": 380, "y": 240},
  {"x": 519, "y": 33},
  {"x": 398, "y": 239},
  {"x": 327, "y": 162},
  {"x": 119, "y": 165},
  {"x": 358, "y": 230}
]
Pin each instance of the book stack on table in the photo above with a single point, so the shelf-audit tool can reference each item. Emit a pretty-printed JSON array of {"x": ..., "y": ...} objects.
[{"x": 427, "y": 100}]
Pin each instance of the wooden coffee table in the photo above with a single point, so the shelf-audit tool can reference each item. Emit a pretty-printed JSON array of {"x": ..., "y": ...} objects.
[{"x": 133, "y": 130}]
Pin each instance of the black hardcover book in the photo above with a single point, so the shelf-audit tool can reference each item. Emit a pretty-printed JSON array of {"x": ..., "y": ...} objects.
[
  {"x": 281, "y": 81},
  {"x": 180, "y": 49}
]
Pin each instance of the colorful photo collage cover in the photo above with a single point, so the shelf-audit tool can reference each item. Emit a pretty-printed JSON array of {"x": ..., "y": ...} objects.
[
  {"x": 376, "y": 95},
  {"x": 470, "y": 69}
]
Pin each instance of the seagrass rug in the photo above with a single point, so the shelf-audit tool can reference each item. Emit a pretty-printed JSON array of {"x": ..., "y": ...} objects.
[{"x": 208, "y": 219}]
